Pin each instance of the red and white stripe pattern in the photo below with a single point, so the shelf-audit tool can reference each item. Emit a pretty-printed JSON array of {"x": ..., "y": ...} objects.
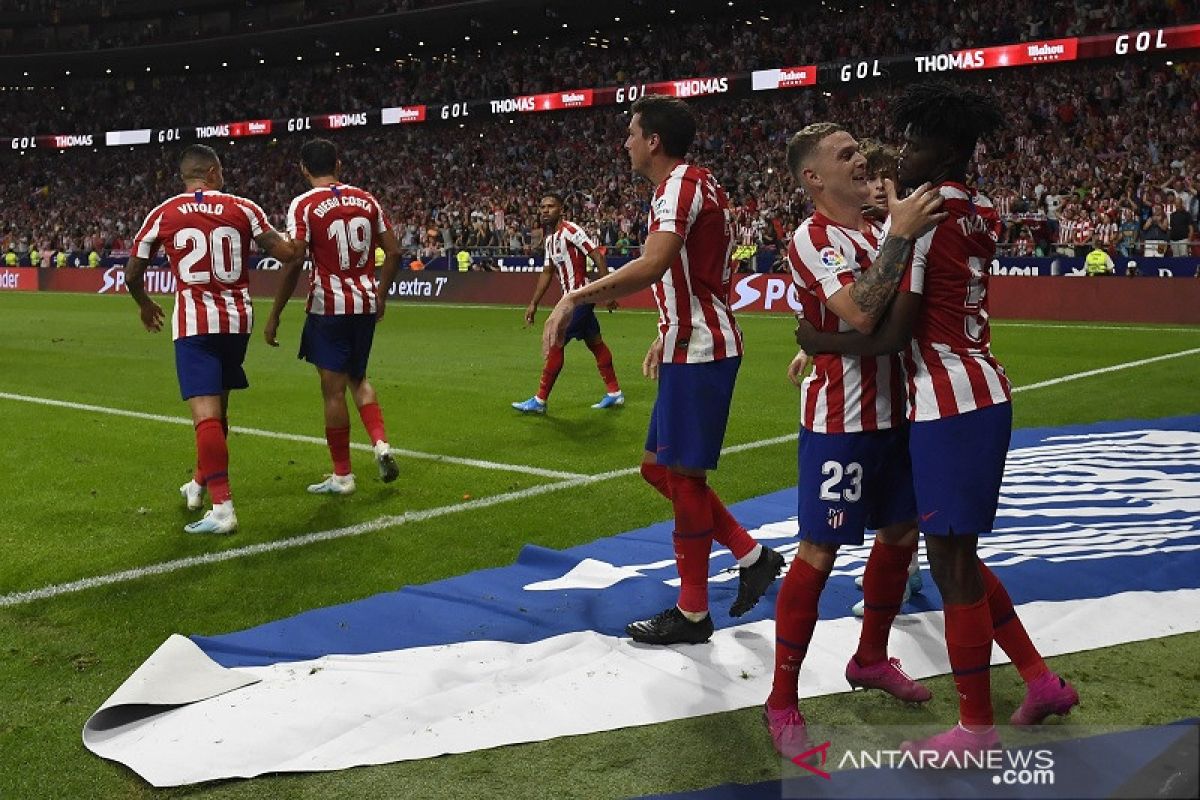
[
  {"x": 949, "y": 363},
  {"x": 341, "y": 225},
  {"x": 1066, "y": 231},
  {"x": 567, "y": 250},
  {"x": 207, "y": 238},
  {"x": 844, "y": 394},
  {"x": 694, "y": 317}
]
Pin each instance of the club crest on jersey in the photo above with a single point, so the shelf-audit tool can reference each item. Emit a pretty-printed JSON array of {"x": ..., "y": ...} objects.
[
  {"x": 835, "y": 517},
  {"x": 833, "y": 259}
]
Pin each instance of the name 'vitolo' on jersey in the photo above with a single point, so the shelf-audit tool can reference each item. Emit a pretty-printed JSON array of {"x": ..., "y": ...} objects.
[
  {"x": 207, "y": 237},
  {"x": 567, "y": 250},
  {"x": 340, "y": 223},
  {"x": 694, "y": 317},
  {"x": 844, "y": 394},
  {"x": 949, "y": 363}
]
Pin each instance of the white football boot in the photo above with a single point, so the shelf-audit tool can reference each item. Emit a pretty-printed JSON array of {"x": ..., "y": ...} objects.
[
  {"x": 334, "y": 484},
  {"x": 193, "y": 495},
  {"x": 219, "y": 519}
]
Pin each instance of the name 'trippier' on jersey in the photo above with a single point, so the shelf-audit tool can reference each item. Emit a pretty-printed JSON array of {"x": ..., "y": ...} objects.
[
  {"x": 949, "y": 363},
  {"x": 206, "y": 236},
  {"x": 694, "y": 317},
  {"x": 844, "y": 394},
  {"x": 340, "y": 223}
]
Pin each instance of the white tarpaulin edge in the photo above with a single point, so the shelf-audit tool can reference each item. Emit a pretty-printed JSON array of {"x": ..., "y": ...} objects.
[{"x": 181, "y": 718}]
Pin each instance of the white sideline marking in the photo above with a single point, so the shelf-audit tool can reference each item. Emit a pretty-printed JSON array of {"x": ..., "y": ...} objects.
[
  {"x": 20, "y": 598},
  {"x": 294, "y": 437},
  {"x": 1104, "y": 370},
  {"x": 54, "y": 590}
]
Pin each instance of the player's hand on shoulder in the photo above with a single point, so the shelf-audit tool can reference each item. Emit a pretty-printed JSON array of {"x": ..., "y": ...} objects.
[
  {"x": 798, "y": 367},
  {"x": 653, "y": 359},
  {"x": 916, "y": 214},
  {"x": 152, "y": 316},
  {"x": 270, "y": 330}
]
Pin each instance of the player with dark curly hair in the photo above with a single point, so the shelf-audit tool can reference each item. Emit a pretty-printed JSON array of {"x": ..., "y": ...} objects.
[{"x": 959, "y": 403}]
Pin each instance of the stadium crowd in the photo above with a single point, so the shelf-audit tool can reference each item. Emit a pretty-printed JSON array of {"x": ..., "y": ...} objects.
[
  {"x": 1091, "y": 150},
  {"x": 31, "y": 26}
]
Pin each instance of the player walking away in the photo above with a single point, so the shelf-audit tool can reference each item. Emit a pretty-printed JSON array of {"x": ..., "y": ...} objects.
[
  {"x": 207, "y": 234},
  {"x": 853, "y": 450},
  {"x": 567, "y": 249},
  {"x": 340, "y": 225},
  {"x": 960, "y": 408},
  {"x": 695, "y": 359},
  {"x": 881, "y": 167}
]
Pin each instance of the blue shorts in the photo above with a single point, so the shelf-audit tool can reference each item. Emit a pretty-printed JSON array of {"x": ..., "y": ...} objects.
[
  {"x": 338, "y": 342},
  {"x": 211, "y": 363},
  {"x": 852, "y": 482},
  {"x": 687, "y": 423},
  {"x": 584, "y": 324},
  {"x": 958, "y": 464}
]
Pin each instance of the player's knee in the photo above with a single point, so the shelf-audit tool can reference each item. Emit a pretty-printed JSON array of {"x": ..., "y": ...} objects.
[{"x": 657, "y": 476}]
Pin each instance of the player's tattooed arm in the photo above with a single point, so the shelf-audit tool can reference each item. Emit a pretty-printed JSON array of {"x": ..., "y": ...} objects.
[
  {"x": 874, "y": 288},
  {"x": 893, "y": 334},
  {"x": 276, "y": 245}
]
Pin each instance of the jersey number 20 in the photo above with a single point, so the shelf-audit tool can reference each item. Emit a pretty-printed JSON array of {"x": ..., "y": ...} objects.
[{"x": 223, "y": 244}]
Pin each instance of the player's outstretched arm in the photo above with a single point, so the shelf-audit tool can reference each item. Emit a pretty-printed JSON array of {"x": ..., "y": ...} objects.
[
  {"x": 290, "y": 275},
  {"x": 893, "y": 334},
  {"x": 539, "y": 291},
  {"x": 387, "y": 273},
  {"x": 598, "y": 258},
  {"x": 150, "y": 311},
  {"x": 658, "y": 253},
  {"x": 276, "y": 245}
]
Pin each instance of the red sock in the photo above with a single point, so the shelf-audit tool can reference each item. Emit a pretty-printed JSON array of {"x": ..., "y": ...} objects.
[
  {"x": 692, "y": 538},
  {"x": 339, "y": 449},
  {"x": 605, "y": 365},
  {"x": 969, "y": 644},
  {"x": 883, "y": 593},
  {"x": 213, "y": 457},
  {"x": 1010, "y": 634},
  {"x": 554, "y": 365},
  {"x": 795, "y": 619},
  {"x": 197, "y": 475},
  {"x": 657, "y": 476},
  {"x": 727, "y": 530},
  {"x": 372, "y": 419}
]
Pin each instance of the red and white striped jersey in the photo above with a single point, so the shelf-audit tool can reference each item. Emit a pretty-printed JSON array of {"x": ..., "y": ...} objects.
[
  {"x": 1066, "y": 231},
  {"x": 844, "y": 394},
  {"x": 1083, "y": 231},
  {"x": 340, "y": 223},
  {"x": 949, "y": 362},
  {"x": 567, "y": 250},
  {"x": 207, "y": 237},
  {"x": 694, "y": 317}
]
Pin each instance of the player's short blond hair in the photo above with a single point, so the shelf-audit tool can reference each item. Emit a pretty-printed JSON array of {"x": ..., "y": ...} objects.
[{"x": 804, "y": 142}]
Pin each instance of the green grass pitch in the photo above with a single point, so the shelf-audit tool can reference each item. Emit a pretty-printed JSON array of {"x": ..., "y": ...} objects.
[{"x": 89, "y": 494}]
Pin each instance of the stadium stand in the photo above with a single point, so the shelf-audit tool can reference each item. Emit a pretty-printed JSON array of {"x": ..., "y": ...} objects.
[{"x": 1088, "y": 148}]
